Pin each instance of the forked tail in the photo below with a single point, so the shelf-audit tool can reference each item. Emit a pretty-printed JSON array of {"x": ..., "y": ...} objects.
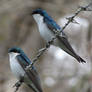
[{"x": 81, "y": 60}]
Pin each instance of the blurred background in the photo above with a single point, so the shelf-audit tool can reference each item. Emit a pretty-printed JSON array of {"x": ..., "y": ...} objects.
[{"x": 59, "y": 72}]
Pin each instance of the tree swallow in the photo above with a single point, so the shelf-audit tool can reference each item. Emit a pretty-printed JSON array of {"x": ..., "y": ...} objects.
[
  {"x": 18, "y": 62},
  {"x": 47, "y": 27}
]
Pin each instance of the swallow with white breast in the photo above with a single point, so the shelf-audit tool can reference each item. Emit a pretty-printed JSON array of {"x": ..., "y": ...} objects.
[
  {"x": 47, "y": 27},
  {"x": 18, "y": 63}
]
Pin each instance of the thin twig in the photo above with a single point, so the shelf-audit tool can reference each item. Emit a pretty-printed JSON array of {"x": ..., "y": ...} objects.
[{"x": 70, "y": 20}]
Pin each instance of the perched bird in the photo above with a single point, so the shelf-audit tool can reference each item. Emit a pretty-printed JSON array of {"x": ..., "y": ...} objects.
[
  {"x": 47, "y": 27},
  {"x": 18, "y": 62}
]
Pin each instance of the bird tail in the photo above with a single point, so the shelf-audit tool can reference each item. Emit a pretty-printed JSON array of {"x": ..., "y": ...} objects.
[
  {"x": 34, "y": 88},
  {"x": 80, "y": 60},
  {"x": 65, "y": 45}
]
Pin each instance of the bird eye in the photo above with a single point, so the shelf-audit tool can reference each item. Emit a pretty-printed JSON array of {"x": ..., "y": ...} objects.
[{"x": 13, "y": 50}]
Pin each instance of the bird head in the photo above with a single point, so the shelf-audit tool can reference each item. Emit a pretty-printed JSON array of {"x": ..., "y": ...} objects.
[
  {"x": 14, "y": 51},
  {"x": 39, "y": 15}
]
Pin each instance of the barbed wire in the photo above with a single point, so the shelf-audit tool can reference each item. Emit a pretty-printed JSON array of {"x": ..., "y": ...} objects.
[{"x": 57, "y": 33}]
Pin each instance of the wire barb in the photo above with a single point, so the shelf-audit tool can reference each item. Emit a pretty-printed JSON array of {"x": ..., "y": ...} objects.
[{"x": 72, "y": 20}]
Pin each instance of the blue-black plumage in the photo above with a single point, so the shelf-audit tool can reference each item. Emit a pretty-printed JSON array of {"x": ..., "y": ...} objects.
[
  {"x": 47, "y": 27},
  {"x": 18, "y": 62}
]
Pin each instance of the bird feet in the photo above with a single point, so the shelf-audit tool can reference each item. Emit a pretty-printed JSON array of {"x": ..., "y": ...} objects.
[{"x": 18, "y": 84}]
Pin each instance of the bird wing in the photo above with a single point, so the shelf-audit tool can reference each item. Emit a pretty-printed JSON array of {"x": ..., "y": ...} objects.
[
  {"x": 52, "y": 25},
  {"x": 31, "y": 73},
  {"x": 67, "y": 45},
  {"x": 68, "y": 48},
  {"x": 27, "y": 60}
]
